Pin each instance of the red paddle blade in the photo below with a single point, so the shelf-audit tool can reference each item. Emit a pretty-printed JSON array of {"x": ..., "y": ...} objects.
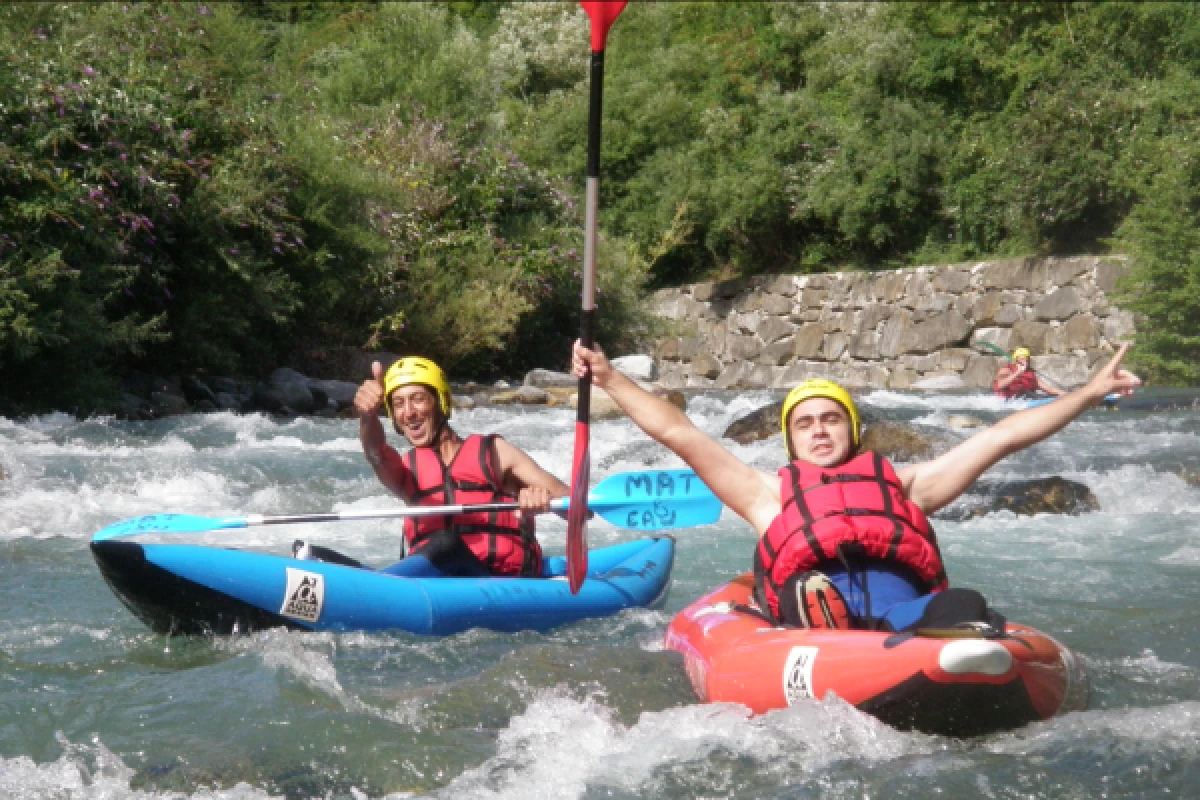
[
  {"x": 577, "y": 513},
  {"x": 603, "y": 14}
]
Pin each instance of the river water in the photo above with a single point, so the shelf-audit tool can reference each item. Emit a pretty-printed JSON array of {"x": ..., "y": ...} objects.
[{"x": 93, "y": 705}]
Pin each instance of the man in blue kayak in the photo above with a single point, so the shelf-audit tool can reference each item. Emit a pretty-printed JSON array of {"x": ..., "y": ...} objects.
[
  {"x": 844, "y": 539},
  {"x": 443, "y": 468}
]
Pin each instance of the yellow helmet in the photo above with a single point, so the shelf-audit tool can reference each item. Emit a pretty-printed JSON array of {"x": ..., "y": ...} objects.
[
  {"x": 818, "y": 387},
  {"x": 1020, "y": 352},
  {"x": 416, "y": 370}
]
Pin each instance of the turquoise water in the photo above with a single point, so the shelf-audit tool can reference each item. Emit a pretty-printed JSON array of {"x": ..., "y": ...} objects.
[{"x": 92, "y": 705}]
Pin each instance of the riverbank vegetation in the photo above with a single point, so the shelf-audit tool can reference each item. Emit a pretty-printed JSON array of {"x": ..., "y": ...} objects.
[{"x": 227, "y": 186}]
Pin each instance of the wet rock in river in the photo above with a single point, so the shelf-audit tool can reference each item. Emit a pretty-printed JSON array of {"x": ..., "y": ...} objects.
[
  {"x": 897, "y": 442},
  {"x": 756, "y": 425},
  {"x": 1052, "y": 495}
]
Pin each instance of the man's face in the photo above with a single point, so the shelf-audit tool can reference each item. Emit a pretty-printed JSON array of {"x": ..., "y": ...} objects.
[
  {"x": 415, "y": 412},
  {"x": 1022, "y": 362},
  {"x": 820, "y": 432}
]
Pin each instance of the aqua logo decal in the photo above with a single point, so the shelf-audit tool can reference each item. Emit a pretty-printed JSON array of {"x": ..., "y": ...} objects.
[
  {"x": 305, "y": 595},
  {"x": 797, "y": 674}
]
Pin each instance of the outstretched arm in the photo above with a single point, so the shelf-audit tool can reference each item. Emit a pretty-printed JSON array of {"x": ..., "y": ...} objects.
[
  {"x": 751, "y": 494},
  {"x": 937, "y": 483}
]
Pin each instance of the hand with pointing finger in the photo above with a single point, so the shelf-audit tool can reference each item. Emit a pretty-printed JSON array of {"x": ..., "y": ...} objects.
[
  {"x": 1112, "y": 379},
  {"x": 369, "y": 397}
]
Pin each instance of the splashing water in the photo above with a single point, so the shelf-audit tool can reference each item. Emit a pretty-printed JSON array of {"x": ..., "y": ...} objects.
[{"x": 92, "y": 705}]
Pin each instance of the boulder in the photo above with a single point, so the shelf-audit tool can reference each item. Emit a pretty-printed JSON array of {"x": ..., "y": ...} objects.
[
  {"x": 943, "y": 330},
  {"x": 834, "y": 345},
  {"x": 196, "y": 391},
  {"x": 1053, "y": 495},
  {"x": 638, "y": 367},
  {"x": 981, "y": 371},
  {"x": 953, "y": 281},
  {"x": 1080, "y": 332},
  {"x": 705, "y": 366},
  {"x": 1016, "y": 273},
  {"x": 897, "y": 442},
  {"x": 889, "y": 286},
  {"x": 743, "y": 348},
  {"x": 532, "y": 396},
  {"x": 462, "y": 401},
  {"x": 547, "y": 378},
  {"x": 772, "y": 329},
  {"x": 782, "y": 285},
  {"x": 131, "y": 406},
  {"x": 1060, "y": 304},
  {"x": 602, "y": 407},
  {"x": 340, "y": 393},
  {"x": 941, "y": 382},
  {"x": 229, "y": 402},
  {"x": 1033, "y": 335},
  {"x": 808, "y": 341},
  {"x": 756, "y": 425},
  {"x": 965, "y": 421},
  {"x": 296, "y": 396},
  {"x": 165, "y": 404}
]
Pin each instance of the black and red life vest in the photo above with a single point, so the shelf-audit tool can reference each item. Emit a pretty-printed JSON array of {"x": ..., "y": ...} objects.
[
  {"x": 1024, "y": 385},
  {"x": 860, "y": 506},
  {"x": 504, "y": 542}
]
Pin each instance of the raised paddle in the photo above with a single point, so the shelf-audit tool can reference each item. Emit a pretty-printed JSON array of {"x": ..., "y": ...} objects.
[
  {"x": 653, "y": 500},
  {"x": 602, "y": 15}
]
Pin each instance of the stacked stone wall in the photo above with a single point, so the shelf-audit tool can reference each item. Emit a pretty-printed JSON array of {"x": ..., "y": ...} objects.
[{"x": 900, "y": 329}]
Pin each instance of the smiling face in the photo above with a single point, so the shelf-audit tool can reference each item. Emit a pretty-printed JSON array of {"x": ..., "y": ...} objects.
[
  {"x": 416, "y": 414},
  {"x": 820, "y": 432}
]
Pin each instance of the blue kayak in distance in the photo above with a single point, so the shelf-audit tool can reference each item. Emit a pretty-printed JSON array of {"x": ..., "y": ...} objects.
[{"x": 191, "y": 589}]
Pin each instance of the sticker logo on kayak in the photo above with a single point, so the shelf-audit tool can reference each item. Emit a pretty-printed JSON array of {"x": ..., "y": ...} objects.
[
  {"x": 305, "y": 595},
  {"x": 797, "y": 674}
]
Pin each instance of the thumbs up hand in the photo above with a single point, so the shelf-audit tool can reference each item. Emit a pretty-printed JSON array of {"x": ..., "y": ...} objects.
[{"x": 369, "y": 397}]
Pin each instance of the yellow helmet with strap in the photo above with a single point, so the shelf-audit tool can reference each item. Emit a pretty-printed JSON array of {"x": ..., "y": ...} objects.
[
  {"x": 1020, "y": 352},
  {"x": 421, "y": 371},
  {"x": 818, "y": 387}
]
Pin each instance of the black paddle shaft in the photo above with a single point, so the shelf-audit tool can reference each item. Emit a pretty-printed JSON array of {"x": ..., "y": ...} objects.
[{"x": 587, "y": 323}]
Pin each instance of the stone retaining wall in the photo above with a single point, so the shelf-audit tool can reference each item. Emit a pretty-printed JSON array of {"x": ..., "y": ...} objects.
[{"x": 899, "y": 329}]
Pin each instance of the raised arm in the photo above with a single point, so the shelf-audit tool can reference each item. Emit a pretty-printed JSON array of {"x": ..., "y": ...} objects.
[
  {"x": 937, "y": 483},
  {"x": 384, "y": 460},
  {"x": 751, "y": 494},
  {"x": 1004, "y": 377}
]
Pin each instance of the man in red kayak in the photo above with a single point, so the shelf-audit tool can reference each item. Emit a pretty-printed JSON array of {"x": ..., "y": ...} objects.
[
  {"x": 844, "y": 539},
  {"x": 443, "y": 468},
  {"x": 1017, "y": 380}
]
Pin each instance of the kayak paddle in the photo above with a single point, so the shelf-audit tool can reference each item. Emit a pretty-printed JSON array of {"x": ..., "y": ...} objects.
[
  {"x": 602, "y": 15},
  {"x": 654, "y": 500}
]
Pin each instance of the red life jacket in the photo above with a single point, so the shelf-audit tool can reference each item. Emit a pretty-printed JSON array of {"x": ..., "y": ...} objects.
[
  {"x": 1024, "y": 385},
  {"x": 860, "y": 503},
  {"x": 504, "y": 542}
]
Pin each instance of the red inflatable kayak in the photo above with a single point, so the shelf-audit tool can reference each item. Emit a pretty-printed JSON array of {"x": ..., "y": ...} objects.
[{"x": 953, "y": 682}]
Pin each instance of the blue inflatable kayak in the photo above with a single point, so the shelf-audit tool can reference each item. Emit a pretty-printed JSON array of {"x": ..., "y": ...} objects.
[
  {"x": 189, "y": 589},
  {"x": 1109, "y": 400}
]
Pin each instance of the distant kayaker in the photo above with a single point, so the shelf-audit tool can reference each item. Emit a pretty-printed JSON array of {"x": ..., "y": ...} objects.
[
  {"x": 443, "y": 468},
  {"x": 844, "y": 539},
  {"x": 1017, "y": 380}
]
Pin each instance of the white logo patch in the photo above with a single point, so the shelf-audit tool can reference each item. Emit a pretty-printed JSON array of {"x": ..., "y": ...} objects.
[
  {"x": 797, "y": 674},
  {"x": 305, "y": 595}
]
